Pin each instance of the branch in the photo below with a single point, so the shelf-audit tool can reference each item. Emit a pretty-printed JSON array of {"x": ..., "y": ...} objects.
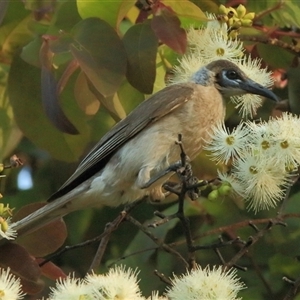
[
  {"x": 156, "y": 240},
  {"x": 109, "y": 228}
]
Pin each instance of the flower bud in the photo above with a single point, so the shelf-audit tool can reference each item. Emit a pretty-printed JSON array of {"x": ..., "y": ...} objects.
[
  {"x": 237, "y": 24},
  {"x": 213, "y": 195},
  {"x": 233, "y": 34},
  {"x": 249, "y": 16},
  {"x": 231, "y": 12},
  {"x": 241, "y": 11},
  {"x": 3, "y": 224},
  {"x": 225, "y": 190},
  {"x": 223, "y": 10},
  {"x": 246, "y": 22}
]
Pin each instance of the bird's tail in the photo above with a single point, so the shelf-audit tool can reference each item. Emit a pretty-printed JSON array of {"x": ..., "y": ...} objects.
[{"x": 46, "y": 214}]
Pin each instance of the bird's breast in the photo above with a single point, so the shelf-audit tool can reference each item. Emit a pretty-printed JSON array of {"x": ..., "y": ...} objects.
[{"x": 154, "y": 148}]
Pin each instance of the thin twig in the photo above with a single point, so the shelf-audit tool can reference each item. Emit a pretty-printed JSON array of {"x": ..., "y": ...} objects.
[
  {"x": 112, "y": 226},
  {"x": 162, "y": 277},
  {"x": 156, "y": 240},
  {"x": 293, "y": 289}
]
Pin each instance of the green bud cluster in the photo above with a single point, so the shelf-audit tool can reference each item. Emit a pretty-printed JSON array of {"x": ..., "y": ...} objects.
[
  {"x": 219, "y": 191},
  {"x": 236, "y": 18}
]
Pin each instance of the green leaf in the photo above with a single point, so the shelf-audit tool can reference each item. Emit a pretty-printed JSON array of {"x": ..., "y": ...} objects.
[
  {"x": 280, "y": 58},
  {"x": 141, "y": 46},
  {"x": 3, "y": 9},
  {"x": 111, "y": 11},
  {"x": 30, "y": 52},
  {"x": 288, "y": 14},
  {"x": 294, "y": 90},
  {"x": 25, "y": 97},
  {"x": 100, "y": 54}
]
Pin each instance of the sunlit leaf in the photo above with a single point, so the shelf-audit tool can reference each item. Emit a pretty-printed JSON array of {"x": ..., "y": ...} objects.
[
  {"x": 160, "y": 79},
  {"x": 188, "y": 12},
  {"x": 111, "y": 103},
  {"x": 100, "y": 54},
  {"x": 141, "y": 47},
  {"x": 13, "y": 36},
  {"x": 166, "y": 26},
  {"x": 111, "y": 11},
  {"x": 129, "y": 96},
  {"x": 86, "y": 100}
]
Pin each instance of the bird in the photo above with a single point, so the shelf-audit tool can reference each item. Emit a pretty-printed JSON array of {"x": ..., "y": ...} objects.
[{"x": 119, "y": 169}]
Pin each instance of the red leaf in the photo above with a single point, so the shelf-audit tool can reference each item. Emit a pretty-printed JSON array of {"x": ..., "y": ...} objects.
[
  {"x": 142, "y": 16},
  {"x": 45, "y": 240},
  {"x": 166, "y": 26},
  {"x": 50, "y": 270},
  {"x": 23, "y": 265},
  {"x": 70, "y": 69}
]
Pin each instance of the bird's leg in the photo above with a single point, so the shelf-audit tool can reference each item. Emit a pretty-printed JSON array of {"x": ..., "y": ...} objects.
[{"x": 145, "y": 173}]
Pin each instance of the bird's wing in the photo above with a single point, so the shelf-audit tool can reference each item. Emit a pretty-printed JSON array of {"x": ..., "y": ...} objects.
[{"x": 149, "y": 111}]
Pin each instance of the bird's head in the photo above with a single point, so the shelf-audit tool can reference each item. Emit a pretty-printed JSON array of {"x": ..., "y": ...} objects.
[{"x": 230, "y": 80}]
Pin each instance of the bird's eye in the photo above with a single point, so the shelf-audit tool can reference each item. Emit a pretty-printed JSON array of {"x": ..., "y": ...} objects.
[{"x": 232, "y": 75}]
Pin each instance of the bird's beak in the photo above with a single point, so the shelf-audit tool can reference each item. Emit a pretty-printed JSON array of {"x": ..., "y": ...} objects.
[{"x": 252, "y": 87}]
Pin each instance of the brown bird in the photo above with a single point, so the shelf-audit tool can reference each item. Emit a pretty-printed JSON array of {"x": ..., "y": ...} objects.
[{"x": 119, "y": 168}]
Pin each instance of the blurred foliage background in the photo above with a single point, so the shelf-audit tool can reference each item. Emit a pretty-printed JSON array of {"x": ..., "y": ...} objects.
[{"x": 70, "y": 69}]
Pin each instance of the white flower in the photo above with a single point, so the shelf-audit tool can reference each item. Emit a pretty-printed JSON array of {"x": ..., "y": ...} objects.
[
  {"x": 189, "y": 64},
  {"x": 206, "y": 284},
  {"x": 7, "y": 230},
  {"x": 262, "y": 180},
  {"x": 116, "y": 284},
  {"x": 10, "y": 286},
  {"x": 214, "y": 24},
  {"x": 286, "y": 138},
  {"x": 226, "y": 145},
  {"x": 155, "y": 296},
  {"x": 216, "y": 45},
  {"x": 72, "y": 288},
  {"x": 248, "y": 103},
  {"x": 235, "y": 184}
]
